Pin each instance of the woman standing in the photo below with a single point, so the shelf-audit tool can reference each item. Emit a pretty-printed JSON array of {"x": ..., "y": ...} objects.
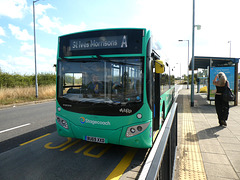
[{"x": 222, "y": 107}]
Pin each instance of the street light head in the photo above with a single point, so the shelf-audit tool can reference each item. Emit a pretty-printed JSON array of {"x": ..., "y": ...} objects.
[
  {"x": 198, "y": 27},
  {"x": 180, "y": 40}
]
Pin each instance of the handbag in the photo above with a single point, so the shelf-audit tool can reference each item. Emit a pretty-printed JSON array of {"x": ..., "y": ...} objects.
[{"x": 228, "y": 94}]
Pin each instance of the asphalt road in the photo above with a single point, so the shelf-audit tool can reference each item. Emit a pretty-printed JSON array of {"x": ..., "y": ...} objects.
[
  {"x": 30, "y": 148},
  {"x": 53, "y": 157},
  {"x": 19, "y": 120}
]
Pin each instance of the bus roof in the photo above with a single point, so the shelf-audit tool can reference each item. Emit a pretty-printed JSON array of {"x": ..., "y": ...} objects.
[{"x": 107, "y": 29}]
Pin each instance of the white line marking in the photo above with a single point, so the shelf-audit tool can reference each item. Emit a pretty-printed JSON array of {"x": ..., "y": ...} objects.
[{"x": 15, "y": 128}]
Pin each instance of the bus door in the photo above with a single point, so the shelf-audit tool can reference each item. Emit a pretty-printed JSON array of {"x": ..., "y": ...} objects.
[
  {"x": 156, "y": 100},
  {"x": 157, "y": 76}
]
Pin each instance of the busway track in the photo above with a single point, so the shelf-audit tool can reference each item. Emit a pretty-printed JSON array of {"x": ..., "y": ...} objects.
[{"x": 42, "y": 154}]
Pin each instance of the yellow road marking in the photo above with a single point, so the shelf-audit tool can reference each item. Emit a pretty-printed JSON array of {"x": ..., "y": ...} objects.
[
  {"x": 34, "y": 139},
  {"x": 122, "y": 166},
  {"x": 70, "y": 145},
  {"x": 87, "y": 152},
  {"x": 59, "y": 146},
  {"x": 82, "y": 148}
]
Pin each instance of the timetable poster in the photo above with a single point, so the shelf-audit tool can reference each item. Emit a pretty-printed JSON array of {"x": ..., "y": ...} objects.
[{"x": 230, "y": 73}]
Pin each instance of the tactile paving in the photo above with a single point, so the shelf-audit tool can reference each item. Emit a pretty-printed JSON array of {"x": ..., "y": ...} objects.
[{"x": 191, "y": 164}]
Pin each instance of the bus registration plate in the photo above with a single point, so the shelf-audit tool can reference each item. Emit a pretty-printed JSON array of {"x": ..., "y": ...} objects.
[{"x": 95, "y": 139}]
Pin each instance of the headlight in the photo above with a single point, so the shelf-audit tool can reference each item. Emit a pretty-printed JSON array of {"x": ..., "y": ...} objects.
[
  {"x": 62, "y": 122},
  {"x": 134, "y": 130}
]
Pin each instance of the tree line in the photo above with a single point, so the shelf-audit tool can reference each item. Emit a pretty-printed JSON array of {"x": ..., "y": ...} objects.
[{"x": 16, "y": 80}]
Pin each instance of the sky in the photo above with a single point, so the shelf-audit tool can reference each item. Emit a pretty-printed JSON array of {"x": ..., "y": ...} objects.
[{"x": 169, "y": 21}]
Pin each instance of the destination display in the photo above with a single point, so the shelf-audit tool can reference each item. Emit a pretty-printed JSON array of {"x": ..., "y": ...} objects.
[
  {"x": 107, "y": 42},
  {"x": 102, "y": 42}
]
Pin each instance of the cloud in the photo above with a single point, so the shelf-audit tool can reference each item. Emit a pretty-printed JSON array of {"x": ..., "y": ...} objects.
[
  {"x": 41, "y": 9},
  {"x": 24, "y": 62},
  {"x": 5, "y": 66},
  {"x": 70, "y": 28},
  {"x": 217, "y": 28},
  {"x": 45, "y": 57},
  {"x": 2, "y": 32},
  {"x": 48, "y": 25},
  {"x": 55, "y": 26},
  {"x": 20, "y": 35},
  {"x": 157, "y": 45},
  {"x": 46, "y": 52},
  {"x": 26, "y": 65},
  {"x": 171, "y": 20},
  {"x": 1, "y": 41},
  {"x": 14, "y": 9},
  {"x": 27, "y": 49},
  {"x": 20, "y": 64}
]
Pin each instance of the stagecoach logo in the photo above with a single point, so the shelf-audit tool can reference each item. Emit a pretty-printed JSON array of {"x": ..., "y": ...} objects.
[
  {"x": 125, "y": 110},
  {"x": 82, "y": 120},
  {"x": 88, "y": 121}
]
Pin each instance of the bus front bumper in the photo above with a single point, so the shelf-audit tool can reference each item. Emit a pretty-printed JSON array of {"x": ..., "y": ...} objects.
[{"x": 117, "y": 136}]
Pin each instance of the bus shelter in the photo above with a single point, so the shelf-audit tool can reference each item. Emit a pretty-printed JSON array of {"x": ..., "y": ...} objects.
[{"x": 214, "y": 65}]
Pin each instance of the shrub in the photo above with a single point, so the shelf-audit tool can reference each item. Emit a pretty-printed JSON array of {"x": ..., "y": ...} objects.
[{"x": 17, "y": 80}]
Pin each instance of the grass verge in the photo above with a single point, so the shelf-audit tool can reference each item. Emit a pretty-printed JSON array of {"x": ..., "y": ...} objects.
[{"x": 26, "y": 94}]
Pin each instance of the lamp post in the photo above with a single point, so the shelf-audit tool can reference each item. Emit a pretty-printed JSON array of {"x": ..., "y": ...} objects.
[
  {"x": 180, "y": 71},
  {"x": 193, "y": 34},
  {"x": 188, "y": 64},
  {"x": 230, "y": 42},
  {"x": 36, "y": 81}
]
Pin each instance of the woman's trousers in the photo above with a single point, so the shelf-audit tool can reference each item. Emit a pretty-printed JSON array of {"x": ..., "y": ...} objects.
[{"x": 222, "y": 108}]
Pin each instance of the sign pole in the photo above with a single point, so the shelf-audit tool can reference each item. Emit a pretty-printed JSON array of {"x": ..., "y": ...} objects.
[
  {"x": 193, "y": 32},
  {"x": 36, "y": 81}
]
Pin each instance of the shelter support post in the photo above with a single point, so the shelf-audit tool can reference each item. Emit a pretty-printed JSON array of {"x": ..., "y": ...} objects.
[{"x": 236, "y": 85}]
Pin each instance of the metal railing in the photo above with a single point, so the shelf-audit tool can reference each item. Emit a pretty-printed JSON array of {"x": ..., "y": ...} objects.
[{"x": 161, "y": 160}]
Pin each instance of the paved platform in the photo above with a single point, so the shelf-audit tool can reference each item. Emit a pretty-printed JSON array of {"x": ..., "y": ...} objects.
[{"x": 205, "y": 149}]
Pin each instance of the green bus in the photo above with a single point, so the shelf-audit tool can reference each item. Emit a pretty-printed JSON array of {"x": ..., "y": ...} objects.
[{"x": 111, "y": 87}]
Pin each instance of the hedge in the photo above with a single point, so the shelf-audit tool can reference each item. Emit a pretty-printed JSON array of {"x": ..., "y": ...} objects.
[{"x": 16, "y": 80}]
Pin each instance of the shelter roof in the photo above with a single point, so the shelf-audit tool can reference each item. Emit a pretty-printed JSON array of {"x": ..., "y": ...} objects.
[{"x": 203, "y": 62}]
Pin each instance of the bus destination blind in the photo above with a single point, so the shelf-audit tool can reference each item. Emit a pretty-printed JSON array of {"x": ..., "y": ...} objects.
[{"x": 94, "y": 43}]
